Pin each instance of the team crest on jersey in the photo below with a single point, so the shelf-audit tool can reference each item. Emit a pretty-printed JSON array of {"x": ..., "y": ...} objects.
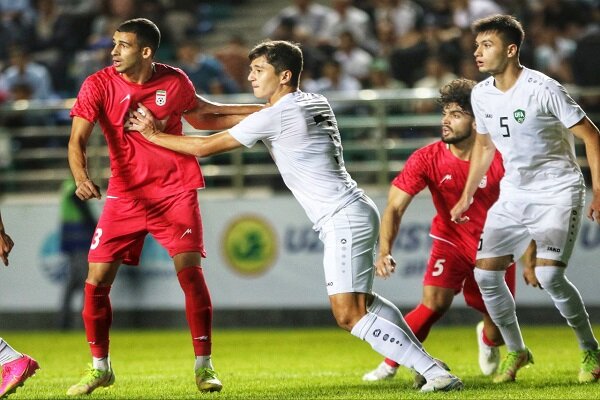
[
  {"x": 161, "y": 97},
  {"x": 519, "y": 116},
  {"x": 483, "y": 182}
]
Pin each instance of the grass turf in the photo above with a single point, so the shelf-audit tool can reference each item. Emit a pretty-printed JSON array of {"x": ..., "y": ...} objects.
[{"x": 292, "y": 364}]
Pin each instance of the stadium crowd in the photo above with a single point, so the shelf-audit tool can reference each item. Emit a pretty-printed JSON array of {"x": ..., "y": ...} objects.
[{"x": 50, "y": 46}]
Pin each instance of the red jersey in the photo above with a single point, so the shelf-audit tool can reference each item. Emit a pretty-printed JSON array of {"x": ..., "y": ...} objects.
[
  {"x": 140, "y": 169},
  {"x": 445, "y": 175}
]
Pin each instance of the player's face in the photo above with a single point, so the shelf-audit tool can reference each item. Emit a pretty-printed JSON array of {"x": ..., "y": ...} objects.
[
  {"x": 491, "y": 54},
  {"x": 263, "y": 78},
  {"x": 126, "y": 53},
  {"x": 457, "y": 124}
]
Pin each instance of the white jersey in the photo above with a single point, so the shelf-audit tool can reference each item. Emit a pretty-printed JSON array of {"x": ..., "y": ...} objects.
[
  {"x": 302, "y": 136},
  {"x": 528, "y": 124}
]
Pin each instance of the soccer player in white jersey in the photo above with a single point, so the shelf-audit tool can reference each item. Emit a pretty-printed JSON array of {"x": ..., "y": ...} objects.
[
  {"x": 532, "y": 121},
  {"x": 300, "y": 131}
]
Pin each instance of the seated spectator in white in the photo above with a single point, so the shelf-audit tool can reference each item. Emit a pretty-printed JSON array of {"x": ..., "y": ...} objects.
[
  {"x": 354, "y": 60},
  {"x": 306, "y": 15},
  {"x": 345, "y": 18},
  {"x": 206, "y": 72},
  {"x": 404, "y": 14},
  {"x": 22, "y": 70}
]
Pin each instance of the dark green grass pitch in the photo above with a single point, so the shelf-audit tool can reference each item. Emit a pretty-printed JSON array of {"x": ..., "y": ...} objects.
[{"x": 292, "y": 364}]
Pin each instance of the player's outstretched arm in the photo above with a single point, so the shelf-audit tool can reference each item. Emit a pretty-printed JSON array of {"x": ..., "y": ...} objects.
[
  {"x": 398, "y": 201},
  {"x": 482, "y": 156},
  {"x": 199, "y": 146},
  {"x": 209, "y": 115},
  {"x": 6, "y": 243},
  {"x": 81, "y": 130},
  {"x": 588, "y": 132}
]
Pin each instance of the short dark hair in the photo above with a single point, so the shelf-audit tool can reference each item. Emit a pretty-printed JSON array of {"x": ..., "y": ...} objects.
[
  {"x": 148, "y": 34},
  {"x": 282, "y": 55},
  {"x": 457, "y": 91},
  {"x": 508, "y": 27}
]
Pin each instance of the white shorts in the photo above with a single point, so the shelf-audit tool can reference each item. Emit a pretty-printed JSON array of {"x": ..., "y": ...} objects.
[
  {"x": 349, "y": 237},
  {"x": 510, "y": 226}
]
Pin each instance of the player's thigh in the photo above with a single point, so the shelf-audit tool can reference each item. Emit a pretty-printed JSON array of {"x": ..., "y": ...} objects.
[
  {"x": 554, "y": 229},
  {"x": 504, "y": 232},
  {"x": 349, "y": 239},
  {"x": 447, "y": 266},
  {"x": 176, "y": 224},
  {"x": 120, "y": 232}
]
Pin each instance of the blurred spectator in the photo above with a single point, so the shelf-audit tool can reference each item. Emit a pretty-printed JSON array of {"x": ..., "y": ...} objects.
[
  {"x": 305, "y": 14},
  {"x": 465, "y": 12},
  {"x": 405, "y": 15},
  {"x": 113, "y": 13},
  {"x": 16, "y": 24},
  {"x": 354, "y": 60},
  {"x": 206, "y": 72},
  {"x": 380, "y": 77},
  {"x": 345, "y": 18},
  {"x": 22, "y": 70},
  {"x": 552, "y": 54},
  {"x": 234, "y": 58},
  {"x": 437, "y": 73},
  {"x": 332, "y": 79}
]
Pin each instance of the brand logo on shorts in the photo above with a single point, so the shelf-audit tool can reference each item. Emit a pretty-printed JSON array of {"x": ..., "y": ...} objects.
[
  {"x": 250, "y": 245},
  {"x": 519, "y": 116},
  {"x": 161, "y": 97},
  {"x": 188, "y": 231},
  {"x": 554, "y": 249}
]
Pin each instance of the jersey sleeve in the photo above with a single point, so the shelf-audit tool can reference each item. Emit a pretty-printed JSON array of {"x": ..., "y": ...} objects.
[
  {"x": 261, "y": 125},
  {"x": 413, "y": 177},
  {"x": 89, "y": 100},
  {"x": 478, "y": 113},
  {"x": 556, "y": 101},
  {"x": 188, "y": 93}
]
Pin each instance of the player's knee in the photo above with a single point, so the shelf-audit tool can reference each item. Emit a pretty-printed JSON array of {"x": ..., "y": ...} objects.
[
  {"x": 346, "y": 319},
  {"x": 551, "y": 278},
  {"x": 487, "y": 280}
]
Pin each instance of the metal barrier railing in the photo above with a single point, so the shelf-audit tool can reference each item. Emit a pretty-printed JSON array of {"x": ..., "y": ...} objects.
[{"x": 379, "y": 130}]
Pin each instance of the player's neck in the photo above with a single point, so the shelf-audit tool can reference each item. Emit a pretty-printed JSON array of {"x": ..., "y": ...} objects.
[
  {"x": 508, "y": 77},
  {"x": 140, "y": 75},
  {"x": 461, "y": 151},
  {"x": 279, "y": 93}
]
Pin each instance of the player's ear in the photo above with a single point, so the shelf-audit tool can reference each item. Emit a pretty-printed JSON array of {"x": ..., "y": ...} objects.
[
  {"x": 147, "y": 52},
  {"x": 285, "y": 77},
  {"x": 512, "y": 50}
]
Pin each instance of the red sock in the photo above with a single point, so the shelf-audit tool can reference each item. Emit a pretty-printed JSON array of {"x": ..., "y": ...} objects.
[
  {"x": 198, "y": 308},
  {"x": 420, "y": 320},
  {"x": 488, "y": 341},
  {"x": 97, "y": 318}
]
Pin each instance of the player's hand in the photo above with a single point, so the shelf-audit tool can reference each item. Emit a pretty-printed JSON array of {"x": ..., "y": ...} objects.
[
  {"x": 143, "y": 121},
  {"x": 88, "y": 190},
  {"x": 385, "y": 266},
  {"x": 594, "y": 209},
  {"x": 457, "y": 212},
  {"x": 6, "y": 245},
  {"x": 529, "y": 276}
]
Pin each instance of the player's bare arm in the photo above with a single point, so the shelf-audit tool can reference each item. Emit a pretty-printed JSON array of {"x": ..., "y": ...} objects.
[
  {"x": 398, "y": 201},
  {"x": 6, "y": 243},
  {"x": 209, "y": 115},
  {"x": 588, "y": 132},
  {"x": 199, "y": 146},
  {"x": 81, "y": 130},
  {"x": 482, "y": 156}
]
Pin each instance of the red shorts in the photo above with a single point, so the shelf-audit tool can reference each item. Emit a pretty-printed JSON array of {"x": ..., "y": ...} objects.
[
  {"x": 450, "y": 268},
  {"x": 173, "y": 221}
]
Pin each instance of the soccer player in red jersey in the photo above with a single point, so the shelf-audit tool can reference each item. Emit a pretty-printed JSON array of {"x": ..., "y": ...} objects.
[
  {"x": 443, "y": 168},
  {"x": 151, "y": 190}
]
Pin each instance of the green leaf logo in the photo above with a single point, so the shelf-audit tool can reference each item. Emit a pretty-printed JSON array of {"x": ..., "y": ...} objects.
[{"x": 519, "y": 116}]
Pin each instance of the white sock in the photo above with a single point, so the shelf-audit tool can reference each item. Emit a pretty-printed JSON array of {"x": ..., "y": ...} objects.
[
  {"x": 392, "y": 342},
  {"x": 384, "y": 308},
  {"x": 203, "y": 362},
  {"x": 568, "y": 301},
  {"x": 103, "y": 364},
  {"x": 501, "y": 306},
  {"x": 7, "y": 353}
]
